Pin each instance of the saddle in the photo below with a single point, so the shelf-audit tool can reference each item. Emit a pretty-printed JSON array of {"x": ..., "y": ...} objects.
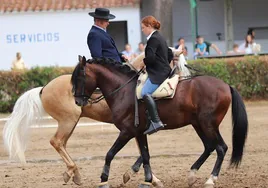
[{"x": 165, "y": 91}]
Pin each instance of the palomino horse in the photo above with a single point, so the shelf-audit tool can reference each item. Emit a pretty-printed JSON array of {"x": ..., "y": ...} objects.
[
  {"x": 201, "y": 101},
  {"x": 55, "y": 99}
]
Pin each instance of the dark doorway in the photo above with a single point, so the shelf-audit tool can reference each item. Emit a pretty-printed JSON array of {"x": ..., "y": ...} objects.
[{"x": 118, "y": 31}]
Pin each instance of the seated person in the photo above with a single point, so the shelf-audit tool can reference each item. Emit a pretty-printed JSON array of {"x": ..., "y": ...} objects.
[
  {"x": 235, "y": 50},
  {"x": 181, "y": 43},
  {"x": 248, "y": 46},
  {"x": 128, "y": 53},
  {"x": 140, "y": 49},
  {"x": 209, "y": 44},
  {"x": 201, "y": 47}
]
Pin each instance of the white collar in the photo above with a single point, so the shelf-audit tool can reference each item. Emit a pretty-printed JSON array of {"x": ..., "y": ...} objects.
[
  {"x": 151, "y": 34},
  {"x": 100, "y": 27}
]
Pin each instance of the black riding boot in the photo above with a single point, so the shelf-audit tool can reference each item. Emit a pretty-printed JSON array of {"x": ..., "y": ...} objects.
[{"x": 156, "y": 124}]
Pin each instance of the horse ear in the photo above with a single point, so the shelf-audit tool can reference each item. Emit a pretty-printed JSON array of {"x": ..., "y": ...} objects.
[
  {"x": 80, "y": 58},
  {"x": 84, "y": 60}
]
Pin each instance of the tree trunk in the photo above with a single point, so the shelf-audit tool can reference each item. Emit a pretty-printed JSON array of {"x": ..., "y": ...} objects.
[{"x": 162, "y": 11}]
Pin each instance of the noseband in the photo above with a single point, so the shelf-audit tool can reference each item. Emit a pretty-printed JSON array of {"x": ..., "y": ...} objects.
[{"x": 82, "y": 95}]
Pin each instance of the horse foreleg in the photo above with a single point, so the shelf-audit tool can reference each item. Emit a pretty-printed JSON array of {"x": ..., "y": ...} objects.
[
  {"x": 143, "y": 145},
  {"x": 120, "y": 142},
  {"x": 59, "y": 141},
  {"x": 135, "y": 169}
]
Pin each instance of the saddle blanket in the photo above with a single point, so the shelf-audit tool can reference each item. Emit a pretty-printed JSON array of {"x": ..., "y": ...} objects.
[{"x": 166, "y": 90}]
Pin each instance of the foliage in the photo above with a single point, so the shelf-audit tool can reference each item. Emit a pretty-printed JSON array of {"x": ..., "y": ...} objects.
[
  {"x": 13, "y": 84},
  {"x": 248, "y": 74}
]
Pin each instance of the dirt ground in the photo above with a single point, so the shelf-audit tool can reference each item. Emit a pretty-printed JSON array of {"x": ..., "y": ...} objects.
[{"x": 172, "y": 154}]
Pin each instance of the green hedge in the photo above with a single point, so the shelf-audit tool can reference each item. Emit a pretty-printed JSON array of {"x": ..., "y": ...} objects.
[
  {"x": 13, "y": 84},
  {"x": 248, "y": 74}
]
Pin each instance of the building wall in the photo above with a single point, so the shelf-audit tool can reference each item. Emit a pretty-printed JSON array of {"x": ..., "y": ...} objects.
[
  {"x": 246, "y": 14},
  {"x": 55, "y": 38}
]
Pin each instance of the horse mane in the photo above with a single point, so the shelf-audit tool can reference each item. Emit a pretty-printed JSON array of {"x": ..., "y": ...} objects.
[
  {"x": 111, "y": 63},
  {"x": 106, "y": 62}
]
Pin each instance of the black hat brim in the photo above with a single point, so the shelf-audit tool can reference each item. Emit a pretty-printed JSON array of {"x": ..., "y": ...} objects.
[{"x": 109, "y": 17}]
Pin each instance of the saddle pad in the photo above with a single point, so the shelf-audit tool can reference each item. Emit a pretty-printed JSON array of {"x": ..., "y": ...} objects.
[{"x": 165, "y": 90}]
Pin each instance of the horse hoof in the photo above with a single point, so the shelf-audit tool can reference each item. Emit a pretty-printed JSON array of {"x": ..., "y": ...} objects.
[
  {"x": 66, "y": 177},
  {"x": 209, "y": 185},
  {"x": 192, "y": 178},
  {"x": 211, "y": 182},
  {"x": 127, "y": 175},
  {"x": 145, "y": 185},
  {"x": 77, "y": 178},
  {"x": 158, "y": 184},
  {"x": 103, "y": 185}
]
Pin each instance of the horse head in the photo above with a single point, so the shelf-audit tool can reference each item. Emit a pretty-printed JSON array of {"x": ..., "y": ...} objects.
[{"x": 83, "y": 81}]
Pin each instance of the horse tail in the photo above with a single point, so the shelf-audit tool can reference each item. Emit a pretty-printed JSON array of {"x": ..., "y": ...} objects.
[
  {"x": 240, "y": 127},
  {"x": 27, "y": 111}
]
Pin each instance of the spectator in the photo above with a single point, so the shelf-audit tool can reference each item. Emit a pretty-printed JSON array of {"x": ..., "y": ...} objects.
[
  {"x": 140, "y": 49},
  {"x": 248, "y": 45},
  {"x": 128, "y": 52},
  {"x": 235, "y": 50},
  {"x": 201, "y": 47},
  {"x": 181, "y": 42},
  {"x": 18, "y": 63},
  {"x": 209, "y": 44}
]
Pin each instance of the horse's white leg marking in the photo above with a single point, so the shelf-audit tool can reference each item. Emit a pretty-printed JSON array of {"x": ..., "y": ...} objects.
[
  {"x": 192, "y": 177},
  {"x": 211, "y": 182}
]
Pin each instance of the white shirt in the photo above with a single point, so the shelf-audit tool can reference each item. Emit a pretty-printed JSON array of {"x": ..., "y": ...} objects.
[
  {"x": 99, "y": 27},
  {"x": 247, "y": 50},
  {"x": 149, "y": 36},
  {"x": 18, "y": 64}
]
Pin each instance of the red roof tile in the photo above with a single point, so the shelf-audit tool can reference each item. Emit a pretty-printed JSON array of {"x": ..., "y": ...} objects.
[{"x": 45, "y": 5}]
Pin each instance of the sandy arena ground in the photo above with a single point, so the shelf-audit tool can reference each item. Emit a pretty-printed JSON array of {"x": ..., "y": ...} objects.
[{"x": 172, "y": 154}]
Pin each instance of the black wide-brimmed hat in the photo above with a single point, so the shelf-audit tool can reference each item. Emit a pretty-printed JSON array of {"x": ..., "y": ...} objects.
[{"x": 102, "y": 13}]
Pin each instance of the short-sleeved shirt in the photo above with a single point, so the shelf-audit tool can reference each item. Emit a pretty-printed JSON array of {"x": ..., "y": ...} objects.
[
  {"x": 202, "y": 46},
  {"x": 208, "y": 46}
]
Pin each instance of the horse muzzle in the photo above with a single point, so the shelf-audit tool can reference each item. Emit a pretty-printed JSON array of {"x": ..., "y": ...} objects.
[{"x": 81, "y": 101}]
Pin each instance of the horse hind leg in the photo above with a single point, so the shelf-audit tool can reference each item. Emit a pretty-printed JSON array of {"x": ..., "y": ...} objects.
[
  {"x": 221, "y": 150},
  {"x": 59, "y": 142},
  {"x": 209, "y": 148}
]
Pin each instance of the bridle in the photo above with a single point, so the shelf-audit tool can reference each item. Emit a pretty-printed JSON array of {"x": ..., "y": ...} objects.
[
  {"x": 101, "y": 97},
  {"x": 82, "y": 95}
]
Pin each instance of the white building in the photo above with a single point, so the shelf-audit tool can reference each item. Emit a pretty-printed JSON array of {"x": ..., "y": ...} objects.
[{"x": 56, "y": 33}]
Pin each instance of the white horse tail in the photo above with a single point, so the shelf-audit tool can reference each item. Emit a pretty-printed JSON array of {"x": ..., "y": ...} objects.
[{"x": 27, "y": 111}]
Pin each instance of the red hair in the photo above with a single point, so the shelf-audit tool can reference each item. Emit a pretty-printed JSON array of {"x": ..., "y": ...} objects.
[{"x": 152, "y": 21}]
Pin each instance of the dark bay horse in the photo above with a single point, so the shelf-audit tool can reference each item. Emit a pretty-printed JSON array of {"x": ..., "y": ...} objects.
[
  {"x": 55, "y": 99},
  {"x": 201, "y": 101}
]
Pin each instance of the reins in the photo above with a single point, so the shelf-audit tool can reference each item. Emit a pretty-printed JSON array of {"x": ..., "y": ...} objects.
[{"x": 98, "y": 99}]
